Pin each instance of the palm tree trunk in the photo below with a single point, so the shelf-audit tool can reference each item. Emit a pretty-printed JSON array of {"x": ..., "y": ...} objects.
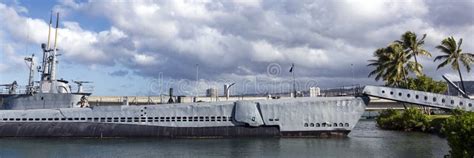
[
  {"x": 416, "y": 61},
  {"x": 462, "y": 82},
  {"x": 416, "y": 65}
]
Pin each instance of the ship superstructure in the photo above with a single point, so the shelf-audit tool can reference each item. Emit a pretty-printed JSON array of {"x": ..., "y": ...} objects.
[{"x": 49, "y": 91}]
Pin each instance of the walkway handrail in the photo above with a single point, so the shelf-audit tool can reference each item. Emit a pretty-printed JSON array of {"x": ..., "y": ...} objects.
[{"x": 420, "y": 98}]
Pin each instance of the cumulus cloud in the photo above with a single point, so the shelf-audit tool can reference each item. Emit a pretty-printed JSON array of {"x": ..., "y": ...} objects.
[{"x": 239, "y": 39}]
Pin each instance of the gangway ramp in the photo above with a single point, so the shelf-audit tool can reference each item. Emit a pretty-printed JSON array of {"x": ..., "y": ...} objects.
[{"x": 420, "y": 98}]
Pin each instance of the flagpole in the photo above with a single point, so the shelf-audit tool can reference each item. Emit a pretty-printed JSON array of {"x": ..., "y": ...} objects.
[{"x": 294, "y": 80}]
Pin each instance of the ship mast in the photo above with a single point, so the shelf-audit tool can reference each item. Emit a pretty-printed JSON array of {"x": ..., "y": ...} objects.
[
  {"x": 48, "y": 81},
  {"x": 31, "y": 66},
  {"x": 53, "y": 56},
  {"x": 46, "y": 50}
]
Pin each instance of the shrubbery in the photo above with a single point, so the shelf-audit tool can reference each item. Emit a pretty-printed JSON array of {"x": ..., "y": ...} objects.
[
  {"x": 411, "y": 119},
  {"x": 459, "y": 130},
  {"x": 426, "y": 84}
]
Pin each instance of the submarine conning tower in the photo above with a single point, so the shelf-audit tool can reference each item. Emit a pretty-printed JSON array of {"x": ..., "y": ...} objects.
[{"x": 49, "y": 92}]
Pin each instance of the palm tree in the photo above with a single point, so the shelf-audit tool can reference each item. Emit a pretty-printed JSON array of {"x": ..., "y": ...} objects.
[
  {"x": 453, "y": 55},
  {"x": 382, "y": 58},
  {"x": 392, "y": 65},
  {"x": 413, "y": 46}
]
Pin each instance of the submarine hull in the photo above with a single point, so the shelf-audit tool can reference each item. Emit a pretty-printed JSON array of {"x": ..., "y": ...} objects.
[{"x": 55, "y": 129}]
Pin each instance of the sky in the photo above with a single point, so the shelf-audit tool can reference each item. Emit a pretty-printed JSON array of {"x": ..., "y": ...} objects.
[{"x": 144, "y": 47}]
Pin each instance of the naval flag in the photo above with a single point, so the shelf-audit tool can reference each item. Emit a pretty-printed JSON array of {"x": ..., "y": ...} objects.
[{"x": 292, "y": 66}]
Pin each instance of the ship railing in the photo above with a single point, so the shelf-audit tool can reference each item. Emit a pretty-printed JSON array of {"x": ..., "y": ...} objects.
[
  {"x": 19, "y": 90},
  {"x": 346, "y": 90},
  {"x": 85, "y": 89}
]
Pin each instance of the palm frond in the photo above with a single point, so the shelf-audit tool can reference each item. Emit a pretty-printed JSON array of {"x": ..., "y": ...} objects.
[
  {"x": 424, "y": 52},
  {"x": 422, "y": 40},
  {"x": 459, "y": 44},
  {"x": 441, "y": 57},
  {"x": 443, "y": 64},
  {"x": 467, "y": 59},
  {"x": 444, "y": 49}
]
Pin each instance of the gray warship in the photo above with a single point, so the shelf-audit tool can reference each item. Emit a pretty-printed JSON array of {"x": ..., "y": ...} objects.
[
  {"x": 49, "y": 108},
  {"x": 52, "y": 109}
]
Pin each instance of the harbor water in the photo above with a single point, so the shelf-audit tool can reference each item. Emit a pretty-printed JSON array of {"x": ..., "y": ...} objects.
[{"x": 366, "y": 140}]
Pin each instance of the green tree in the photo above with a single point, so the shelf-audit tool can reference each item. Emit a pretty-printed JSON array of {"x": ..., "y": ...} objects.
[
  {"x": 380, "y": 63},
  {"x": 392, "y": 65},
  {"x": 411, "y": 119},
  {"x": 459, "y": 130},
  {"x": 413, "y": 46},
  {"x": 426, "y": 84},
  {"x": 453, "y": 55}
]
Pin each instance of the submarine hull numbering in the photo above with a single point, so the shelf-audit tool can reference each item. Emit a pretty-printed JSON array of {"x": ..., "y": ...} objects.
[{"x": 293, "y": 117}]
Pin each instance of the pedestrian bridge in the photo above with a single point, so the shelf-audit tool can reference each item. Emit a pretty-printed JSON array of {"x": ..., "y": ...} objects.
[{"x": 420, "y": 98}]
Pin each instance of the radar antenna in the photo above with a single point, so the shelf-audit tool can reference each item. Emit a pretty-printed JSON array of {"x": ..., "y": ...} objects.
[{"x": 79, "y": 85}]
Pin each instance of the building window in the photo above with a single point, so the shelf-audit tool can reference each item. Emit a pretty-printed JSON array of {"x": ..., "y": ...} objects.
[
  {"x": 341, "y": 125},
  {"x": 277, "y": 119},
  {"x": 305, "y": 124},
  {"x": 347, "y": 124},
  {"x": 318, "y": 125},
  {"x": 324, "y": 124},
  {"x": 335, "y": 124},
  {"x": 311, "y": 124},
  {"x": 270, "y": 119}
]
